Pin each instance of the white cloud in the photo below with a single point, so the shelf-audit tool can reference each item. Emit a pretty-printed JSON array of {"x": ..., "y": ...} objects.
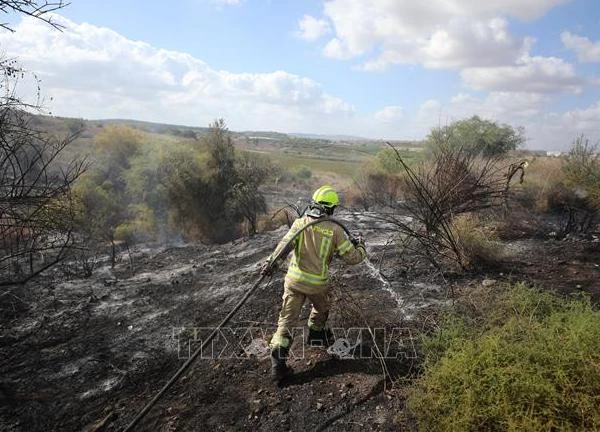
[
  {"x": 531, "y": 75},
  {"x": 543, "y": 129},
  {"x": 586, "y": 120},
  {"x": 95, "y": 72},
  {"x": 389, "y": 114},
  {"x": 226, "y": 2},
  {"x": 437, "y": 33},
  {"x": 557, "y": 131},
  {"x": 509, "y": 107},
  {"x": 312, "y": 28},
  {"x": 515, "y": 109},
  {"x": 460, "y": 44},
  {"x": 470, "y": 36},
  {"x": 335, "y": 49},
  {"x": 586, "y": 50}
]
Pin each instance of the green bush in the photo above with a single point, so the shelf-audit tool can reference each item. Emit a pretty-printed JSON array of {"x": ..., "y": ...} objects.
[
  {"x": 476, "y": 135},
  {"x": 303, "y": 173},
  {"x": 532, "y": 363}
]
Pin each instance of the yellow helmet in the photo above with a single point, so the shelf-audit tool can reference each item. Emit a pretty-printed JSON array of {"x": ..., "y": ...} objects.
[{"x": 326, "y": 196}]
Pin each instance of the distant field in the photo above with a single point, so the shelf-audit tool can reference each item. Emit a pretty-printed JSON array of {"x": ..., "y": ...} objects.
[
  {"x": 320, "y": 155},
  {"x": 344, "y": 160},
  {"x": 317, "y": 164}
]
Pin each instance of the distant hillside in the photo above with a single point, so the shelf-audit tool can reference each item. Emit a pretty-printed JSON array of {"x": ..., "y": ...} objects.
[
  {"x": 160, "y": 128},
  {"x": 331, "y": 137},
  {"x": 252, "y": 137}
]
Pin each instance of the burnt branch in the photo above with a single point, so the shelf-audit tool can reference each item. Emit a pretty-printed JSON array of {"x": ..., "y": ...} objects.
[
  {"x": 37, "y": 209},
  {"x": 454, "y": 181},
  {"x": 41, "y": 10}
]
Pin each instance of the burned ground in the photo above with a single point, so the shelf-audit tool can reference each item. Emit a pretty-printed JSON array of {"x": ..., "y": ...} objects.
[{"x": 88, "y": 354}]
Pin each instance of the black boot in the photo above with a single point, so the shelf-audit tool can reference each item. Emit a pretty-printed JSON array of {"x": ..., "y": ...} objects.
[
  {"x": 279, "y": 370},
  {"x": 320, "y": 338}
]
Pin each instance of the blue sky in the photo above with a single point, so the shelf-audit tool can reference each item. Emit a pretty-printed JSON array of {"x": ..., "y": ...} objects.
[{"x": 389, "y": 69}]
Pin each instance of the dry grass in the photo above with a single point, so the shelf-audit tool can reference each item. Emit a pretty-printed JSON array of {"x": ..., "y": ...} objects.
[
  {"x": 476, "y": 241},
  {"x": 544, "y": 184}
]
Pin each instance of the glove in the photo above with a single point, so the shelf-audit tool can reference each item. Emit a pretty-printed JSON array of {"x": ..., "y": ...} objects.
[
  {"x": 268, "y": 269},
  {"x": 358, "y": 240}
]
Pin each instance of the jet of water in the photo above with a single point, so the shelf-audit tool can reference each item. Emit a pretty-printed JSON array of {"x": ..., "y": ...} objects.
[{"x": 385, "y": 285}]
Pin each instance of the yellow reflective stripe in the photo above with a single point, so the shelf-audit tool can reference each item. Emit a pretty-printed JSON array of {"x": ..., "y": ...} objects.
[
  {"x": 299, "y": 248},
  {"x": 279, "y": 341},
  {"x": 325, "y": 189},
  {"x": 362, "y": 251},
  {"x": 344, "y": 247},
  {"x": 325, "y": 245},
  {"x": 301, "y": 276}
]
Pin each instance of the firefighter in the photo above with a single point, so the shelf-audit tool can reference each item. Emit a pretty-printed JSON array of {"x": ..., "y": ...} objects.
[{"x": 307, "y": 274}]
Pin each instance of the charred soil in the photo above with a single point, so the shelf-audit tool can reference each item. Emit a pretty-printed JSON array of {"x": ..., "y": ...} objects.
[{"x": 88, "y": 354}]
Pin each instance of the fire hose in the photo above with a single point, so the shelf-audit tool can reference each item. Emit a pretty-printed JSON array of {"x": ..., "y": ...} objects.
[{"x": 225, "y": 320}]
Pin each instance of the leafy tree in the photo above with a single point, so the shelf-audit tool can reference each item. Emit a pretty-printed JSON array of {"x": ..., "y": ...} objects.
[
  {"x": 104, "y": 200},
  {"x": 210, "y": 197},
  {"x": 181, "y": 175},
  {"x": 116, "y": 145},
  {"x": 387, "y": 161},
  {"x": 477, "y": 136},
  {"x": 101, "y": 211},
  {"x": 245, "y": 198}
]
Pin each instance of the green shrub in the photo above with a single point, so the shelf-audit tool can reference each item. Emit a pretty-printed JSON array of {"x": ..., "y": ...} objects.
[
  {"x": 532, "y": 364},
  {"x": 303, "y": 173},
  {"x": 476, "y": 135}
]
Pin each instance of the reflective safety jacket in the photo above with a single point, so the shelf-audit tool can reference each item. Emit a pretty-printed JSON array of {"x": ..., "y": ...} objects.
[{"x": 313, "y": 250}]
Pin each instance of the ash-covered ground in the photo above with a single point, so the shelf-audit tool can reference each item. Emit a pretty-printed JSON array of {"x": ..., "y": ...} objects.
[{"x": 88, "y": 354}]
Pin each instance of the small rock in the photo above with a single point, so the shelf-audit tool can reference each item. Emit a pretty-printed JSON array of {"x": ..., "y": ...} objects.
[
  {"x": 379, "y": 419},
  {"x": 488, "y": 282},
  {"x": 319, "y": 406}
]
